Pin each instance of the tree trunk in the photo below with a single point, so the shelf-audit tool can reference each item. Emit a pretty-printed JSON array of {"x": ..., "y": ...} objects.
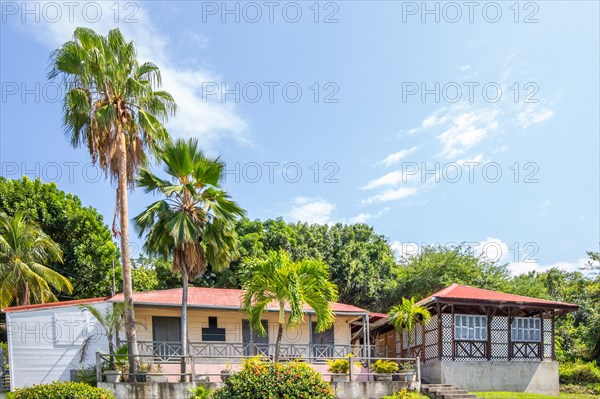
[
  {"x": 23, "y": 296},
  {"x": 125, "y": 257},
  {"x": 279, "y": 331},
  {"x": 184, "y": 323}
]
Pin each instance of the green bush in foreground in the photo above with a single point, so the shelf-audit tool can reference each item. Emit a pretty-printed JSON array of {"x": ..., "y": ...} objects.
[
  {"x": 62, "y": 390},
  {"x": 404, "y": 394},
  {"x": 268, "y": 380},
  {"x": 579, "y": 374}
]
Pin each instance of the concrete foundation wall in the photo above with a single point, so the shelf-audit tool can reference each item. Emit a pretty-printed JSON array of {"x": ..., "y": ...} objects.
[
  {"x": 344, "y": 390},
  {"x": 532, "y": 377}
]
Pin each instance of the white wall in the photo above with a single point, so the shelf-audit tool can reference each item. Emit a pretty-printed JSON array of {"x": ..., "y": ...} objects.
[{"x": 43, "y": 344}]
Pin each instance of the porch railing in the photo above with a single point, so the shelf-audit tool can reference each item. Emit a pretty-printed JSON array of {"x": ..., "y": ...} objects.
[
  {"x": 168, "y": 352},
  {"x": 408, "y": 374}
]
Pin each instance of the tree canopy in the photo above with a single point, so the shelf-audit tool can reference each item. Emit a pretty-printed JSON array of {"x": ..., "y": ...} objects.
[{"x": 88, "y": 250}]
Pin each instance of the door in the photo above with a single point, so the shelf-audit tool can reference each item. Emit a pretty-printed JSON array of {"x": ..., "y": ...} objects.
[
  {"x": 323, "y": 342},
  {"x": 254, "y": 343},
  {"x": 166, "y": 334}
]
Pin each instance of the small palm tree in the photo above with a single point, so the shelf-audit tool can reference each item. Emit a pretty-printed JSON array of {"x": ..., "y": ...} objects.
[
  {"x": 279, "y": 280},
  {"x": 195, "y": 221},
  {"x": 407, "y": 316},
  {"x": 24, "y": 251},
  {"x": 112, "y": 106},
  {"x": 111, "y": 322}
]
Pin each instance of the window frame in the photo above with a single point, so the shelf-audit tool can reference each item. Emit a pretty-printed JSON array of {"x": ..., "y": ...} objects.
[
  {"x": 478, "y": 327},
  {"x": 528, "y": 332}
]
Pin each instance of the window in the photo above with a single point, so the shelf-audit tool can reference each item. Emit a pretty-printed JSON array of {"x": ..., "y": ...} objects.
[
  {"x": 213, "y": 332},
  {"x": 470, "y": 327},
  {"x": 526, "y": 329}
]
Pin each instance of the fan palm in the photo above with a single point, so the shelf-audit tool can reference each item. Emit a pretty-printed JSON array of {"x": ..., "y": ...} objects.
[
  {"x": 406, "y": 316},
  {"x": 24, "y": 251},
  {"x": 111, "y": 105},
  {"x": 194, "y": 222},
  {"x": 278, "y": 279}
]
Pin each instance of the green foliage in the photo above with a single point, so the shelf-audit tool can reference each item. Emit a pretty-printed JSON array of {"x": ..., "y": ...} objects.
[
  {"x": 88, "y": 250},
  {"x": 261, "y": 380},
  {"x": 340, "y": 366},
  {"x": 361, "y": 261},
  {"x": 63, "y": 390},
  {"x": 405, "y": 394},
  {"x": 407, "y": 315},
  {"x": 4, "y": 347},
  {"x": 579, "y": 373},
  {"x": 25, "y": 252},
  {"x": 435, "y": 268},
  {"x": 294, "y": 284},
  {"x": 86, "y": 375},
  {"x": 200, "y": 392},
  {"x": 385, "y": 367}
]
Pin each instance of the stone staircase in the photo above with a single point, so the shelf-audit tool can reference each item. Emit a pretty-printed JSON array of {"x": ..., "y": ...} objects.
[{"x": 445, "y": 391}]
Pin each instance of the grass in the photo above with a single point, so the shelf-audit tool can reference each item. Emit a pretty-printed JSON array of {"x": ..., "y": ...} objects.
[{"x": 521, "y": 395}]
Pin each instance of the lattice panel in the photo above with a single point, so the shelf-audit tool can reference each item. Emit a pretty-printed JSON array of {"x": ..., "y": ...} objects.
[{"x": 500, "y": 351}]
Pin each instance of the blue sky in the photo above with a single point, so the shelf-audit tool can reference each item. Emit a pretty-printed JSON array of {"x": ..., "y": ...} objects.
[{"x": 455, "y": 125}]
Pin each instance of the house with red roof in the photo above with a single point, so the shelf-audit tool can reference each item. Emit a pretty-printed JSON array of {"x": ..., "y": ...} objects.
[
  {"x": 484, "y": 340},
  {"x": 44, "y": 340}
]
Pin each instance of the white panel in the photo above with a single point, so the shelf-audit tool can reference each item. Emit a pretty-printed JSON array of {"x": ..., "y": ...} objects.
[{"x": 44, "y": 343}]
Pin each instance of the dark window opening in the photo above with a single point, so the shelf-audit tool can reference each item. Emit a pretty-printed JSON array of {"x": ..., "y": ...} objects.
[{"x": 213, "y": 332}]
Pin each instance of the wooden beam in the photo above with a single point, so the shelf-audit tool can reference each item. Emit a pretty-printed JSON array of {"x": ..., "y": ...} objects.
[
  {"x": 553, "y": 347},
  {"x": 453, "y": 326},
  {"x": 541, "y": 336},
  {"x": 439, "y": 331},
  {"x": 509, "y": 332}
]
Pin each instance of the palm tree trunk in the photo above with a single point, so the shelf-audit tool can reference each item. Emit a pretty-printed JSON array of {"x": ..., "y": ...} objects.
[
  {"x": 125, "y": 256},
  {"x": 23, "y": 296},
  {"x": 279, "y": 331},
  {"x": 184, "y": 323}
]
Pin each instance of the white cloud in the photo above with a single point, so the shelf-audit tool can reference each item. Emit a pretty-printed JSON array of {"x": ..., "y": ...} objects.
[
  {"x": 389, "y": 179},
  {"x": 209, "y": 121},
  {"x": 465, "y": 129},
  {"x": 492, "y": 249},
  {"x": 397, "y": 156},
  {"x": 533, "y": 116},
  {"x": 312, "y": 210},
  {"x": 391, "y": 195},
  {"x": 364, "y": 217}
]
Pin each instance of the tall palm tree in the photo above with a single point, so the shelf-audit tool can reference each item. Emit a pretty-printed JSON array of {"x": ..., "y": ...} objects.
[
  {"x": 111, "y": 105},
  {"x": 24, "y": 251},
  {"x": 277, "y": 279},
  {"x": 194, "y": 222},
  {"x": 406, "y": 316}
]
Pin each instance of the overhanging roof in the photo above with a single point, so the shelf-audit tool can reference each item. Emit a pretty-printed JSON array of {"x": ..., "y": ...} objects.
[{"x": 457, "y": 294}]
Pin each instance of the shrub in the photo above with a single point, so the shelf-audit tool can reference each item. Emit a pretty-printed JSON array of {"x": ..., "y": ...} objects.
[
  {"x": 340, "y": 366},
  {"x": 200, "y": 392},
  {"x": 86, "y": 375},
  {"x": 404, "y": 394},
  {"x": 579, "y": 374},
  {"x": 267, "y": 380},
  {"x": 62, "y": 390},
  {"x": 385, "y": 367}
]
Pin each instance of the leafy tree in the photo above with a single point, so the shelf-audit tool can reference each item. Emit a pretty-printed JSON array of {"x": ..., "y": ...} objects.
[
  {"x": 111, "y": 106},
  {"x": 435, "y": 268},
  {"x": 194, "y": 222},
  {"x": 278, "y": 279},
  {"x": 24, "y": 250},
  {"x": 406, "y": 316},
  {"x": 88, "y": 250}
]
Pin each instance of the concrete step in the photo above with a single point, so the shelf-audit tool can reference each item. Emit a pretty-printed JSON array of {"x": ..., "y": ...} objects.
[{"x": 446, "y": 391}]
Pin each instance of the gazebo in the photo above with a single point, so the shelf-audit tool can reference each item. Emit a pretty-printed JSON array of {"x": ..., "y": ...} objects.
[{"x": 485, "y": 340}]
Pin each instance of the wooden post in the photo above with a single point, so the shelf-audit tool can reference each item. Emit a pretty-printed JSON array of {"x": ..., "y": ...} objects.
[
  {"x": 490, "y": 315},
  {"x": 98, "y": 367},
  {"x": 368, "y": 342},
  {"x": 509, "y": 332},
  {"x": 350, "y": 371},
  {"x": 193, "y": 367},
  {"x": 310, "y": 338},
  {"x": 439, "y": 331},
  {"x": 553, "y": 348},
  {"x": 541, "y": 343},
  {"x": 453, "y": 335}
]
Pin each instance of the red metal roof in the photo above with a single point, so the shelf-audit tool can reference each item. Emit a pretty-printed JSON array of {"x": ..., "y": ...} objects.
[
  {"x": 197, "y": 297},
  {"x": 210, "y": 298},
  {"x": 457, "y": 292},
  {"x": 53, "y": 304}
]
